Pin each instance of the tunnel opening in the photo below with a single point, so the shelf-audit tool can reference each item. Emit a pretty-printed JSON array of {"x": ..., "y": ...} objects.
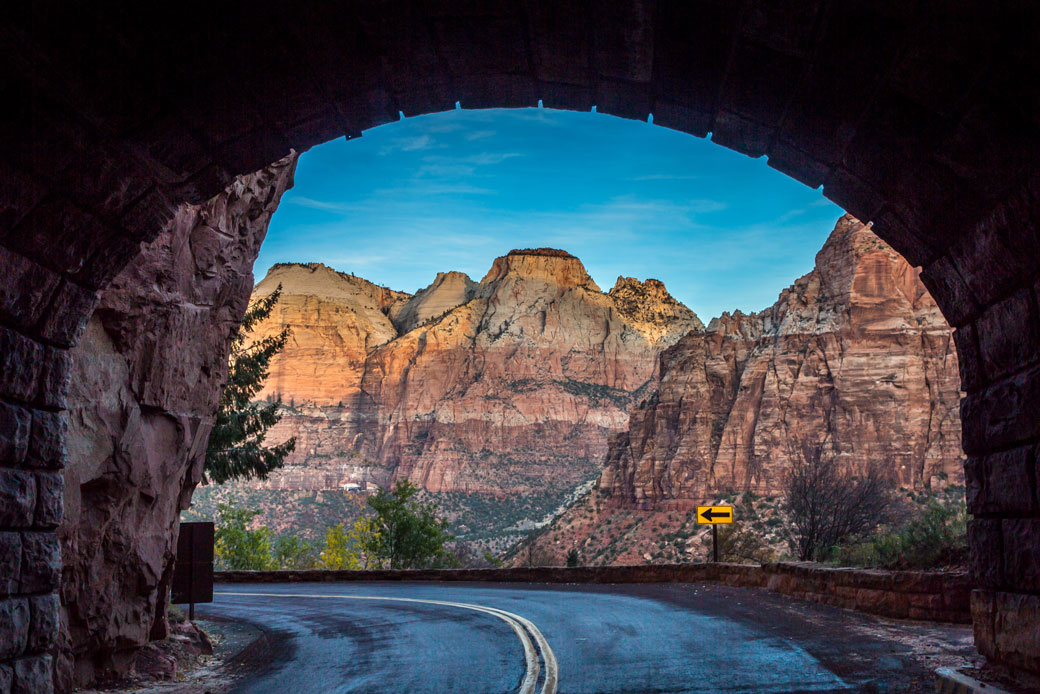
[{"x": 940, "y": 157}]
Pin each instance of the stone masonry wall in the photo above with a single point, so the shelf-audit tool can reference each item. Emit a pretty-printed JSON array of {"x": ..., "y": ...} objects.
[{"x": 925, "y": 595}]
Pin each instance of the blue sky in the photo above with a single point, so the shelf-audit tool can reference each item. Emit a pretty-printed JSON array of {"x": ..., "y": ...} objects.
[{"x": 452, "y": 191}]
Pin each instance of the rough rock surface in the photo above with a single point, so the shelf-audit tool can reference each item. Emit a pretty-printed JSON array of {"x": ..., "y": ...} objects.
[
  {"x": 503, "y": 388},
  {"x": 448, "y": 291},
  {"x": 146, "y": 381},
  {"x": 854, "y": 356}
]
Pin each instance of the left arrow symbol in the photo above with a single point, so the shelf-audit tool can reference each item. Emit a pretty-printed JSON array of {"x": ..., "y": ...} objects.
[{"x": 710, "y": 513}]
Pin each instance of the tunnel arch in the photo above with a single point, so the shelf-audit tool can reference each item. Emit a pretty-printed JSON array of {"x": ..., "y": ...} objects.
[{"x": 921, "y": 119}]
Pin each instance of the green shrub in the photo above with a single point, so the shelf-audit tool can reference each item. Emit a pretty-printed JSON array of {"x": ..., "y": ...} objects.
[
  {"x": 935, "y": 537},
  {"x": 237, "y": 546}
]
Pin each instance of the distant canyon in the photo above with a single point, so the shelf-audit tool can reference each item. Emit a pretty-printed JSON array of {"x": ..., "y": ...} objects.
[{"x": 509, "y": 399}]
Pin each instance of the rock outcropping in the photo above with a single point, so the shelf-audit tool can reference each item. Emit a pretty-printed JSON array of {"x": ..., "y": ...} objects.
[
  {"x": 502, "y": 390},
  {"x": 854, "y": 357},
  {"x": 145, "y": 386}
]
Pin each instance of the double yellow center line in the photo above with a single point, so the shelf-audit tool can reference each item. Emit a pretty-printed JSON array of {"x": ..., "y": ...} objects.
[{"x": 524, "y": 628}]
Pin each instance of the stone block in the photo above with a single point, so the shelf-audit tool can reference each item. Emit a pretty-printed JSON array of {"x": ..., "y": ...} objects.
[
  {"x": 41, "y": 562},
  {"x": 990, "y": 260},
  {"x": 21, "y": 360},
  {"x": 44, "y": 622},
  {"x": 67, "y": 313},
  {"x": 55, "y": 374},
  {"x": 17, "y": 498},
  {"x": 34, "y": 675},
  {"x": 950, "y": 291},
  {"x": 14, "y": 433},
  {"x": 18, "y": 197},
  {"x": 985, "y": 553},
  {"x": 14, "y": 625},
  {"x": 50, "y": 499},
  {"x": 1016, "y": 636},
  {"x": 1001, "y": 482},
  {"x": 47, "y": 448},
  {"x": 1009, "y": 335},
  {"x": 969, "y": 362},
  {"x": 983, "y": 616},
  {"x": 1021, "y": 553},
  {"x": 25, "y": 289},
  {"x": 10, "y": 562},
  {"x": 1002, "y": 415}
]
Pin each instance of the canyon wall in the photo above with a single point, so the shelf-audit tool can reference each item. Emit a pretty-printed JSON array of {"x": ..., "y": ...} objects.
[
  {"x": 503, "y": 391},
  {"x": 855, "y": 357},
  {"x": 145, "y": 385}
]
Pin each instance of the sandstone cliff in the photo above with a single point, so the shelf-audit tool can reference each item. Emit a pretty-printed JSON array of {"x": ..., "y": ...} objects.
[
  {"x": 145, "y": 385},
  {"x": 500, "y": 394},
  {"x": 854, "y": 356}
]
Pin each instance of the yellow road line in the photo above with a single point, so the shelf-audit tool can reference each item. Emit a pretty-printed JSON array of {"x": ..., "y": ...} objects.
[{"x": 516, "y": 622}]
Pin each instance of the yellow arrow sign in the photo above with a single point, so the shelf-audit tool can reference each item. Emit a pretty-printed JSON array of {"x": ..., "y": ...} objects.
[{"x": 714, "y": 515}]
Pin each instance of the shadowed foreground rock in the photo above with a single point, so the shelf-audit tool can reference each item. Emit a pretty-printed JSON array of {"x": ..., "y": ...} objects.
[{"x": 145, "y": 385}]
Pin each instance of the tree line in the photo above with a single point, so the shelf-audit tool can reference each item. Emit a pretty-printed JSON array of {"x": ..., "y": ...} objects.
[{"x": 400, "y": 532}]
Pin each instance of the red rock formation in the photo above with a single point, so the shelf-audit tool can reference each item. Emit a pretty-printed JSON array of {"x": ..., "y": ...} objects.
[
  {"x": 854, "y": 356},
  {"x": 504, "y": 388},
  {"x": 145, "y": 386}
]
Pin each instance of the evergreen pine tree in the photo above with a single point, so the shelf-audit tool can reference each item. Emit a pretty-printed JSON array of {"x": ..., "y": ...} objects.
[{"x": 236, "y": 445}]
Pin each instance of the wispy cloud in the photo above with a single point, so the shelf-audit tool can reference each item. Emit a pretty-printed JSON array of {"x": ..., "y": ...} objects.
[
  {"x": 445, "y": 170},
  {"x": 480, "y": 159},
  {"x": 410, "y": 144},
  {"x": 479, "y": 134},
  {"x": 667, "y": 177},
  {"x": 419, "y": 188},
  {"x": 313, "y": 204}
]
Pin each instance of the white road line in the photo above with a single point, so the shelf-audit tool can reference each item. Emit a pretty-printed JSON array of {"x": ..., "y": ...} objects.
[{"x": 515, "y": 621}]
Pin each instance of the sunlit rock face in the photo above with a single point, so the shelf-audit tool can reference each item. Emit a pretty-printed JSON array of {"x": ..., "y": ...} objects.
[
  {"x": 144, "y": 390},
  {"x": 507, "y": 386},
  {"x": 854, "y": 356}
]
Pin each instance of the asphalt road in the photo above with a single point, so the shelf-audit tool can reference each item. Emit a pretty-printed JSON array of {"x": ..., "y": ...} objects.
[{"x": 650, "y": 638}]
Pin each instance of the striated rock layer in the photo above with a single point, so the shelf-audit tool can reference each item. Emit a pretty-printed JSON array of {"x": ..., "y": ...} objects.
[
  {"x": 145, "y": 386},
  {"x": 502, "y": 388},
  {"x": 854, "y": 356}
]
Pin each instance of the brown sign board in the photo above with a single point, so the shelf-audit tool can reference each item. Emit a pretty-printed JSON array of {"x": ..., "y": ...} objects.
[{"x": 193, "y": 569}]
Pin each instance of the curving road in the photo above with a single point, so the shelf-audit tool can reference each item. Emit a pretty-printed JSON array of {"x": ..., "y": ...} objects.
[{"x": 478, "y": 637}]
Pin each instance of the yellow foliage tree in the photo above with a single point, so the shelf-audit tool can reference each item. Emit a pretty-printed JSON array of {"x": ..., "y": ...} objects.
[{"x": 345, "y": 550}]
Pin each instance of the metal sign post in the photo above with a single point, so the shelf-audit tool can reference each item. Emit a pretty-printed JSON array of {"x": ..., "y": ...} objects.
[
  {"x": 193, "y": 569},
  {"x": 713, "y": 516}
]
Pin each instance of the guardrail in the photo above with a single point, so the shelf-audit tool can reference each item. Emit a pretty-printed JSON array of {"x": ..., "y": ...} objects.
[{"x": 937, "y": 596}]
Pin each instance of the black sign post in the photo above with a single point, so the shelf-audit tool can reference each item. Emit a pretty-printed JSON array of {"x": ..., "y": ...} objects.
[
  {"x": 193, "y": 569},
  {"x": 714, "y": 515}
]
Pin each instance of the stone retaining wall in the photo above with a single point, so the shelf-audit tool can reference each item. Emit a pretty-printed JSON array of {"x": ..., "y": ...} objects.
[{"x": 925, "y": 595}]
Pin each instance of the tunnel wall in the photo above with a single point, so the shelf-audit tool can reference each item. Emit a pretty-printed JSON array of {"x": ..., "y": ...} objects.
[{"x": 919, "y": 117}]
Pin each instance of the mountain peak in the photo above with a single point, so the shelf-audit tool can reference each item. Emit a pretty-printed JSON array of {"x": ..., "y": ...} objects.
[
  {"x": 549, "y": 265},
  {"x": 547, "y": 252},
  {"x": 652, "y": 310},
  {"x": 448, "y": 290}
]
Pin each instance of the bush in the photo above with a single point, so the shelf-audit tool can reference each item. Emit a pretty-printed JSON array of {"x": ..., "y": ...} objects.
[
  {"x": 237, "y": 547},
  {"x": 345, "y": 550},
  {"x": 291, "y": 552},
  {"x": 407, "y": 533},
  {"x": 935, "y": 538},
  {"x": 829, "y": 506}
]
